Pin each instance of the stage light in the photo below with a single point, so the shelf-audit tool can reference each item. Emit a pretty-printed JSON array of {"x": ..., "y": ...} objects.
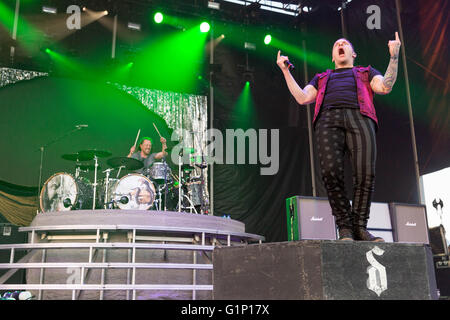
[
  {"x": 158, "y": 17},
  {"x": 48, "y": 50},
  {"x": 249, "y": 46},
  {"x": 49, "y": 10},
  {"x": 105, "y": 12},
  {"x": 267, "y": 39},
  {"x": 213, "y": 5},
  {"x": 134, "y": 26},
  {"x": 84, "y": 8},
  {"x": 204, "y": 27}
]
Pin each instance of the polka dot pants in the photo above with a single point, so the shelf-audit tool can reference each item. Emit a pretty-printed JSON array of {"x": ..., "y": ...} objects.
[{"x": 341, "y": 130}]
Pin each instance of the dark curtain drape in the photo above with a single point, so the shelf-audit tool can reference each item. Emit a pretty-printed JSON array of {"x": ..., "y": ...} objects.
[{"x": 18, "y": 204}]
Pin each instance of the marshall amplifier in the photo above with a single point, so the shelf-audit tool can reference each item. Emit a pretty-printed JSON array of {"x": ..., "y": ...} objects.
[
  {"x": 309, "y": 218},
  {"x": 409, "y": 222}
]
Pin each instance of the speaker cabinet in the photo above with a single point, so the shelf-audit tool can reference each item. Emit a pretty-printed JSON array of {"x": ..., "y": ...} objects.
[
  {"x": 437, "y": 240},
  {"x": 442, "y": 270},
  {"x": 409, "y": 222},
  {"x": 309, "y": 218}
]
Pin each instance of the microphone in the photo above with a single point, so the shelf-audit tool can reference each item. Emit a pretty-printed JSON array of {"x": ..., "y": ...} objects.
[
  {"x": 79, "y": 126},
  {"x": 289, "y": 65}
]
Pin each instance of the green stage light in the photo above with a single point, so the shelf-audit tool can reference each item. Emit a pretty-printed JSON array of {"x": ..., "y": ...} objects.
[
  {"x": 267, "y": 39},
  {"x": 158, "y": 17},
  {"x": 204, "y": 27},
  {"x": 48, "y": 50}
]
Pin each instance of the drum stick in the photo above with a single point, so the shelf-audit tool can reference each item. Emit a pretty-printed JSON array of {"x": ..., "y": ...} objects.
[
  {"x": 157, "y": 130},
  {"x": 137, "y": 138}
]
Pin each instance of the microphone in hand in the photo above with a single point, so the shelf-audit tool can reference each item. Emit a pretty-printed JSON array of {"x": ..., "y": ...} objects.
[{"x": 289, "y": 65}]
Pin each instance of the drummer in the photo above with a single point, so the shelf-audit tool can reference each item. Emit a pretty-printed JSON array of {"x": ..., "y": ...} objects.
[{"x": 143, "y": 153}]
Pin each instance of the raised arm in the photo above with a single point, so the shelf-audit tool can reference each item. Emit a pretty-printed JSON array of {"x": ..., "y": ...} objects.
[
  {"x": 302, "y": 96},
  {"x": 163, "y": 153},
  {"x": 383, "y": 85}
]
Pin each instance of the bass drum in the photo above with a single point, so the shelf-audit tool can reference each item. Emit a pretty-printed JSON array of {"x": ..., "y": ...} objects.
[
  {"x": 131, "y": 192},
  {"x": 63, "y": 192}
]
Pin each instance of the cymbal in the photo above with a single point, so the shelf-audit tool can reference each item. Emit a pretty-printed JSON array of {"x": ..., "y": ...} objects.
[
  {"x": 93, "y": 153},
  {"x": 128, "y": 163},
  {"x": 77, "y": 157}
]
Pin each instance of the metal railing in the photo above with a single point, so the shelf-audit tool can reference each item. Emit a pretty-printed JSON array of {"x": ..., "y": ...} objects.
[{"x": 196, "y": 236}]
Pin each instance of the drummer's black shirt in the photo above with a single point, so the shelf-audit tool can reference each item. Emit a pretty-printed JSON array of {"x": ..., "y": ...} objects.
[{"x": 147, "y": 161}]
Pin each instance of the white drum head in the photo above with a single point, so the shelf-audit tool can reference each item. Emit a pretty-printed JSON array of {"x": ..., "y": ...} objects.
[
  {"x": 138, "y": 190},
  {"x": 56, "y": 189}
]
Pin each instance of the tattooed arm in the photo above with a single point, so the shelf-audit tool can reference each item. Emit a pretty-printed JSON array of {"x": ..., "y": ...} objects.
[{"x": 383, "y": 85}]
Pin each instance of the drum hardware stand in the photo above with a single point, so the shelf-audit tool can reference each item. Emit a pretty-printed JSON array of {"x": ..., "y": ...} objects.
[
  {"x": 158, "y": 197},
  {"x": 95, "y": 182},
  {"x": 180, "y": 185},
  {"x": 77, "y": 172},
  {"x": 118, "y": 173},
  {"x": 191, "y": 205},
  {"x": 42, "y": 149},
  {"x": 202, "y": 167},
  {"x": 165, "y": 183},
  {"x": 108, "y": 172}
]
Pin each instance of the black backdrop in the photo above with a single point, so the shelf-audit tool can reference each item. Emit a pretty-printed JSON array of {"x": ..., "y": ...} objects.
[{"x": 259, "y": 201}]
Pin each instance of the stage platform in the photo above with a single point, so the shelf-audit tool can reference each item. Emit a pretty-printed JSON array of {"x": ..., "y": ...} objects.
[
  {"x": 137, "y": 255},
  {"x": 324, "y": 270},
  {"x": 122, "y": 254}
]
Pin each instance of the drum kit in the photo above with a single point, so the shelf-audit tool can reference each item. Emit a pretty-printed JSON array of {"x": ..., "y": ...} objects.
[{"x": 157, "y": 188}]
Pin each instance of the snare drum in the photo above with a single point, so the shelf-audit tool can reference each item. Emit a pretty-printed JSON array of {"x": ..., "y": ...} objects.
[
  {"x": 63, "y": 192},
  {"x": 158, "y": 171},
  {"x": 131, "y": 192}
]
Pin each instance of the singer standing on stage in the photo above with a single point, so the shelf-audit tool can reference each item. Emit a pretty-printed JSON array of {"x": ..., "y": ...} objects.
[{"x": 345, "y": 121}]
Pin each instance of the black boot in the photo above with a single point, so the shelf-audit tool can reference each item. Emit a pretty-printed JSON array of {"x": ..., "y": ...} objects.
[
  {"x": 345, "y": 234},
  {"x": 360, "y": 232},
  {"x": 344, "y": 224}
]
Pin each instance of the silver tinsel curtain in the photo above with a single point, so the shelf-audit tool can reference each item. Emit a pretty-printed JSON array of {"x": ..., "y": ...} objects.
[
  {"x": 11, "y": 76},
  {"x": 180, "y": 111}
]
